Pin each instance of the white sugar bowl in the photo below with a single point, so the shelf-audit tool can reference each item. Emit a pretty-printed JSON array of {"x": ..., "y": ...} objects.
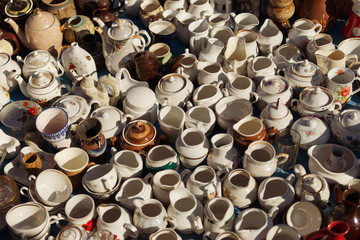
[
  {"x": 276, "y": 115},
  {"x": 312, "y": 130}
]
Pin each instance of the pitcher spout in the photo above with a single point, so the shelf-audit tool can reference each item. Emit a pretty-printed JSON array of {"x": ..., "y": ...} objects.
[{"x": 18, "y": 31}]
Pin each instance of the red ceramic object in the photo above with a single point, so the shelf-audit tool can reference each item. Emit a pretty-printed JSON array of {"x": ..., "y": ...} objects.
[
  {"x": 352, "y": 26},
  {"x": 10, "y": 37},
  {"x": 334, "y": 231}
]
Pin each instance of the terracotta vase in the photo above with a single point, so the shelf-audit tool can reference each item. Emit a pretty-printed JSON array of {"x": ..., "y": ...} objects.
[
  {"x": 324, "y": 12},
  {"x": 104, "y": 14},
  {"x": 334, "y": 231},
  {"x": 347, "y": 210}
]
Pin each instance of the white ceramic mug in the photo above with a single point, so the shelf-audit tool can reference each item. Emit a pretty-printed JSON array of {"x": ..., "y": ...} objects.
[
  {"x": 80, "y": 209},
  {"x": 339, "y": 82},
  {"x": 101, "y": 178}
]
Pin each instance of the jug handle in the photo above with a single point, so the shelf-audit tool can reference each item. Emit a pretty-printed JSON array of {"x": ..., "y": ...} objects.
[
  {"x": 353, "y": 58},
  {"x": 60, "y": 68},
  {"x": 299, "y": 171},
  {"x": 284, "y": 157},
  {"x": 197, "y": 224},
  {"x": 318, "y": 26},
  {"x": 209, "y": 235},
  {"x": 291, "y": 177},
  {"x": 222, "y": 174},
  {"x": 185, "y": 174},
  {"x": 273, "y": 212},
  {"x": 293, "y": 104},
  {"x": 271, "y": 132},
  {"x": 132, "y": 230},
  {"x": 254, "y": 96},
  {"x": 357, "y": 90},
  {"x": 172, "y": 222},
  {"x": 149, "y": 178},
  {"x": 24, "y": 191},
  {"x": 67, "y": 87},
  {"x": 338, "y": 189}
]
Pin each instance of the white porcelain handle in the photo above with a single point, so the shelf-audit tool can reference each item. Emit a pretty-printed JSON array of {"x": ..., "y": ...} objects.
[
  {"x": 132, "y": 230},
  {"x": 172, "y": 222},
  {"x": 60, "y": 68},
  {"x": 197, "y": 224}
]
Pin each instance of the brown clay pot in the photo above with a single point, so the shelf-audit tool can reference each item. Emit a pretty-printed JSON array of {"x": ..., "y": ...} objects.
[
  {"x": 146, "y": 65},
  {"x": 324, "y": 12},
  {"x": 138, "y": 135},
  {"x": 32, "y": 163},
  {"x": 281, "y": 14}
]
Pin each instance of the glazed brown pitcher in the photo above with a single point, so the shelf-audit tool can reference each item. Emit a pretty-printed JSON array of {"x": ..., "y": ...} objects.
[{"x": 347, "y": 210}]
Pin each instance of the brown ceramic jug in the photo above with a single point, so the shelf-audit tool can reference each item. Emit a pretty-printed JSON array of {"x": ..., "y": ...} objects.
[
  {"x": 146, "y": 64},
  {"x": 347, "y": 210},
  {"x": 324, "y": 12},
  {"x": 334, "y": 231}
]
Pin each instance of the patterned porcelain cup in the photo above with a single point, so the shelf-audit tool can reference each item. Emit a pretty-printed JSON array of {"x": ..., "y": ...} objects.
[{"x": 339, "y": 82}]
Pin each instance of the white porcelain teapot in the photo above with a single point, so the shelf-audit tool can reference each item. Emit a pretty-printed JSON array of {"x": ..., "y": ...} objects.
[{"x": 174, "y": 89}]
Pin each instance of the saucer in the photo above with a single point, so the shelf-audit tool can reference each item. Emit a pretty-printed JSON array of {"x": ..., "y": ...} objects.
[
  {"x": 15, "y": 170},
  {"x": 304, "y": 216}
]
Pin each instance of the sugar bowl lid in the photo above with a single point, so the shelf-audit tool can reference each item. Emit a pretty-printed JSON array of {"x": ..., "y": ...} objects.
[
  {"x": 316, "y": 97},
  {"x": 304, "y": 69},
  {"x": 350, "y": 119},
  {"x": 37, "y": 59},
  {"x": 140, "y": 98},
  {"x": 109, "y": 116},
  {"x": 139, "y": 132},
  {"x": 172, "y": 83},
  {"x": 274, "y": 84},
  {"x": 311, "y": 184},
  {"x": 276, "y": 110}
]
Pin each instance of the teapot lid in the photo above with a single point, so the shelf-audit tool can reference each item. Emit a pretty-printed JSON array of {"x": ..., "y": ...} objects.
[
  {"x": 41, "y": 79},
  {"x": 276, "y": 110},
  {"x": 316, "y": 97},
  {"x": 350, "y": 119},
  {"x": 304, "y": 69},
  {"x": 172, "y": 83},
  {"x": 37, "y": 58},
  {"x": 109, "y": 117},
  {"x": 40, "y": 20},
  {"x": 4, "y": 59},
  {"x": 18, "y": 8},
  {"x": 139, "y": 132},
  {"x": 70, "y": 233},
  {"x": 312, "y": 184},
  {"x": 120, "y": 31},
  {"x": 274, "y": 85}
]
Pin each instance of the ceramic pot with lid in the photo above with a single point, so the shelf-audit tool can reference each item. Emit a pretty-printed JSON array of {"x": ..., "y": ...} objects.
[
  {"x": 272, "y": 88},
  {"x": 137, "y": 135},
  {"x": 8, "y": 65},
  {"x": 315, "y": 101},
  {"x": 112, "y": 119},
  {"x": 345, "y": 128},
  {"x": 40, "y": 60},
  {"x": 42, "y": 32},
  {"x": 276, "y": 115},
  {"x": 174, "y": 89},
  {"x": 312, "y": 130},
  {"x": 304, "y": 74}
]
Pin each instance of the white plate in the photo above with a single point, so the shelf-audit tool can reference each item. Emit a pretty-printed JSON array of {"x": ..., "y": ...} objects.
[
  {"x": 307, "y": 215},
  {"x": 15, "y": 169}
]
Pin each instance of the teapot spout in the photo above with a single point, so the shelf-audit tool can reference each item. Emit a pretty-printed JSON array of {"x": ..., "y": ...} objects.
[
  {"x": 18, "y": 32},
  {"x": 102, "y": 30},
  {"x": 12, "y": 77}
]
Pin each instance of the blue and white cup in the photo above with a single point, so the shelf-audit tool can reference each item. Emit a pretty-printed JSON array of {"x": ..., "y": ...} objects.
[{"x": 53, "y": 124}]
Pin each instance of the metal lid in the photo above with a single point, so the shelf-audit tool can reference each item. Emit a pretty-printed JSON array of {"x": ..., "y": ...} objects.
[
  {"x": 350, "y": 119},
  {"x": 37, "y": 59}
]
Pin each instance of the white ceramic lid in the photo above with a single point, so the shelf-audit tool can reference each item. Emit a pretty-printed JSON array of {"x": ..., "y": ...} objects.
[
  {"x": 276, "y": 110},
  {"x": 350, "y": 119},
  {"x": 40, "y": 79},
  {"x": 75, "y": 106},
  {"x": 172, "y": 83},
  {"x": 304, "y": 69},
  {"x": 312, "y": 130},
  {"x": 312, "y": 184},
  {"x": 120, "y": 31},
  {"x": 274, "y": 84},
  {"x": 37, "y": 59},
  {"x": 140, "y": 98},
  {"x": 4, "y": 59},
  {"x": 316, "y": 97},
  {"x": 108, "y": 116},
  {"x": 70, "y": 233}
]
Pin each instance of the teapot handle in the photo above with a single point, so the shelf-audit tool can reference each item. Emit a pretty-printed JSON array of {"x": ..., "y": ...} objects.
[
  {"x": 299, "y": 171},
  {"x": 149, "y": 178},
  {"x": 67, "y": 87},
  {"x": 318, "y": 28},
  {"x": 147, "y": 37},
  {"x": 10, "y": 36},
  {"x": 138, "y": 47},
  {"x": 24, "y": 191},
  {"x": 357, "y": 90},
  {"x": 172, "y": 222},
  {"x": 254, "y": 96},
  {"x": 60, "y": 68},
  {"x": 209, "y": 235},
  {"x": 328, "y": 118},
  {"x": 284, "y": 157},
  {"x": 185, "y": 174},
  {"x": 293, "y": 104}
]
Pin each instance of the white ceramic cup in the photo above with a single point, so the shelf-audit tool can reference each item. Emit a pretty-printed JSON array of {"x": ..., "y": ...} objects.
[
  {"x": 101, "y": 178},
  {"x": 52, "y": 187},
  {"x": 80, "y": 209},
  {"x": 72, "y": 160}
]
